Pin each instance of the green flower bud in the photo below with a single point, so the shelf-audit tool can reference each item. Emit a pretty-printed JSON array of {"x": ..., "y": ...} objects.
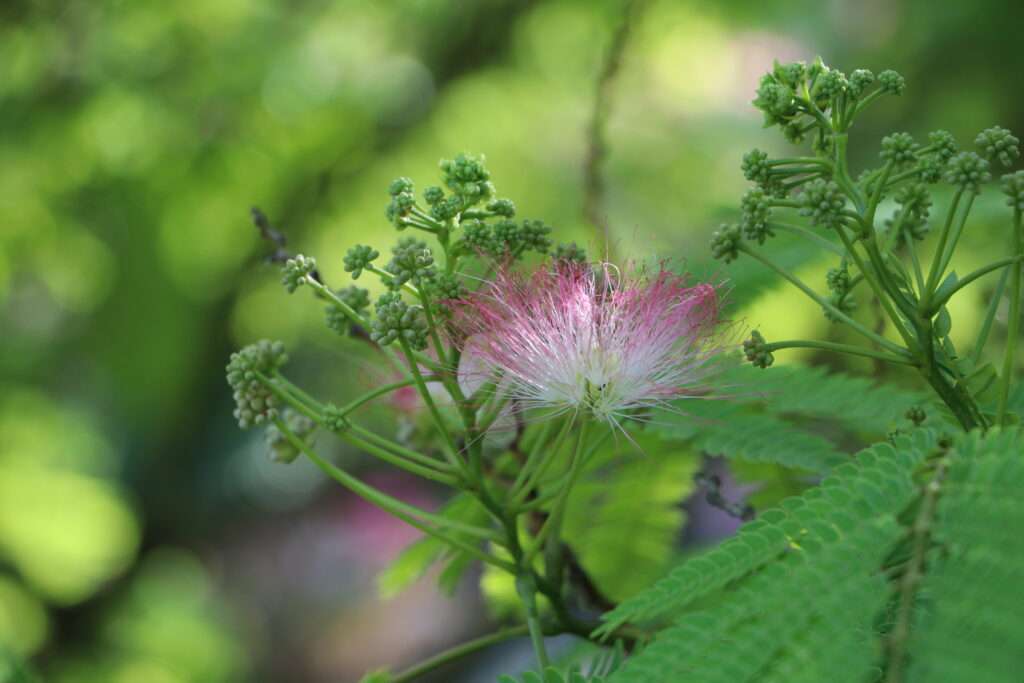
[
  {"x": 502, "y": 207},
  {"x": 254, "y": 402},
  {"x": 838, "y": 280},
  {"x": 281, "y": 449},
  {"x": 433, "y": 194},
  {"x": 899, "y": 148},
  {"x": 334, "y": 420},
  {"x": 756, "y": 350},
  {"x": 1013, "y": 187},
  {"x": 400, "y": 186},
  {"x": 755, "y": 166},
  {"x": 570, "y": 251},
  {"x": 447, "y": 208},
  {"x": 775, "y": 100},
  {"x": 791, "y": 75},
  {"x": 296, "y": 270},
  {"x": 823, "y": 202},
  {"x": 359, "y": 257},
  {"x": 397, "y": 321},
  {"x": 412, "y": 261},
  {"x": 477, "y": 237},
  {"x": 467, "y": 177},
  {"x": 401, "y": 206},
  {"x": 533, "y": 236},
  {"x": 831, "y": 85},
  {"x": 756, "y": 213},
  {"x": 891, "y": 82},
  {"x": 969, "y": 171},
  {"x": 998, "y": 143},
  {"x": 356, "y": 298},
  {"x": 916, "y": 415},
  {"x": 725, "y": 243},
  {"x": 916, "y": 201},
  {"x": 860, "y": 79},
  {"x": 841, "y": 302},
  {"x": 943, "y": 143}
]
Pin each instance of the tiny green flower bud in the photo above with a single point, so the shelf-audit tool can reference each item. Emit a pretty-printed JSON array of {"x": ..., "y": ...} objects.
[
  {"x": 477, "y": 237},
  {"x": 831, "y": 84},
  {"x": 725, "y": 243},
  {"x": 791, "y": 75},
  {"x": 533, "y": 236},
  {"x": 916, "y": 201},
  {"x": 1013, "y": 187},
  {"x": 916, "y": 415},
  {"x": 998, "y": 143},
  {"x": 838, "y": 279},
  {"x": 502, "y": 207},
  {"x": 969, "y": 171},
  {"x": 756, "y": 213},
  {"x": 860, "y": 79},
  {"x": 296, "y": 270},
  {"x": 433, "y": 194},
  {"x": 891, "y": 82},
  {"x": 466, "y": 176},
  {"x": 412, "y": 261},
  {"x": 775, "y": 100},
  {"x": 755, "y": 166},
  {"x": 899, "y": 148},
  {"x": 844, "y": 303},
  {"x": 397, "y": 321},
  {"x": 570, "y": 251},
  {"x": 401, "y": 206},
  {"x": 281, "y": 448},
  {"x": 400, "y": 186},
  {"x": 254, "y": 402},
  {"x": 932, "y": 169},
  {"x": 823, "y": 202},
  {"x": 756, "y": 350},
  {"x": 447, "y": 208},
  {"x": 356, "y": 298},
  {"x": 334, "y": 420},
  {"x": 359, "y": 257},
  {"x": 943, "y": 143}
]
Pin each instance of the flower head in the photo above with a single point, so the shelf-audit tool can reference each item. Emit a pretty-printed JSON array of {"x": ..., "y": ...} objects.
[{"x": 577, "y": 337}]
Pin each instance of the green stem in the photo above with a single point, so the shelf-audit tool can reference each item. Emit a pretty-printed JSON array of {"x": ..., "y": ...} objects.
[
  {"x": 808, "y": 234},
  {"x": 407, "y": 513},
  {"x": 1013, "y": 324},
  {"x": 971, "y": 277},
  {"x": 537, "y": 463},
  {"x": 451, "y": 450},
  {"x": 358, "y": 402},
  {"x": 947, "y": 254},
  {"x": 933, "y": 272},
  {"x": 413, "y": 673},
  {"x": 397, "y": 448},
  {"x": 905, "y": 359},
  {"x": 799, "y": 284},
  {"x": 990, "y": 316},
  {"x": 554, "y": 520},
  {"x": 526, "y": 587}
]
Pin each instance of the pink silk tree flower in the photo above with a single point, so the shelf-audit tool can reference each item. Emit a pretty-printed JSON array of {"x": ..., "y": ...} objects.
[{"x": 576, "y": 337}]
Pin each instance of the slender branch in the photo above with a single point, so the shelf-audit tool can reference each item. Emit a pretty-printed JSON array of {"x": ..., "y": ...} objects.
[
  {"x": 971, "y": 277},
  {"x": 808, "y": 234},
  {"x": 451, "y": 451},
  {"x": 904, "y": 359},
  {"x": 554, "y": 520},
  {"x": 933, "y": 272},
  {"x": 990, "y": 316},
  {"x": 411, "y": 674}
]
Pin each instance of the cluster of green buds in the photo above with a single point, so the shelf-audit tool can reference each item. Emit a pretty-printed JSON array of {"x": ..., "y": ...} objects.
[{"x": 816, "y": 197}]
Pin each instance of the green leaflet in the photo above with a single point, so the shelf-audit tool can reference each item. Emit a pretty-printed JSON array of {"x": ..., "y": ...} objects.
[
  {"x": 969, "y": 621},
  {"x": 633, "y": 507},
  {"x": 875, "y": 486},
  {"x": 414, "y": 561},
  {"x": 551, "y": 675}
]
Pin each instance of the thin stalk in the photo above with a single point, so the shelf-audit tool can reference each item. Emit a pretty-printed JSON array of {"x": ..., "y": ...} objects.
[
  {"x": 554, "y": 521},
  {"x": 413, "y": 673},
  {"x": 808, "y": 234},
  {"x": 1013, "y": 324},
  {"x": 360, "y": 401},
  {"x": 526, "y": 587},
  {"x": 990, "y": 316},
  {"x": 397, "y": 448},
  {"x": 933, "y": 272},
  {"x": 451, "y": 451},
  {"x": 971, "y": 277},
  {"x": 947, "y": 254},
  {"x": 799, "y": 284},
  {"x": 905, "y": 359},
  {"x": 407, "y": 513},
  {"x": 529, "y": 476}
]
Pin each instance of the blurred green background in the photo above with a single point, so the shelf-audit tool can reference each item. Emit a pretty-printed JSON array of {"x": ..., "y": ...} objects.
[{"x": 143, "y": 538}]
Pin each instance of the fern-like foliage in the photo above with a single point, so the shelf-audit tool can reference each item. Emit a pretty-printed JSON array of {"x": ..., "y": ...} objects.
[
  {"x": 902, "y": 565},
  {"x": 968, "y": 623}
]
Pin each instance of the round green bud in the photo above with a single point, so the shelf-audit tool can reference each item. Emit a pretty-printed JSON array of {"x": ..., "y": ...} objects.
[
  {"x": 334, "y": 419},
  {"x": 860, "y": 79},
  {"x": 296, "y": 270},
  {"x": 944, "y": 144},
  {"x": 838, "y": 279},
  {"x": 359, "y": 257},
  {"x": 280, "y": 447},
  {"x": 725, "y": 243},
  {"x": 570, "y": 251},
  {"x": 899, "y": 148},
  {"x": 254, "y": 402},
  {"x": 756, "y": 212},
  {"x": 916, "y": 202},
  {"x": 502, "y": 207},
  {"x": 998, "y": 143},
  {"x": 823, "y": 202},
  {"x": 831, "y": 84},
  {"x": 466, "y": 176},
  {"x": 447, "y": 208},
  {"x": 533, "y": 236},
  {"x": 401, "y": 206},
  {"x": 433, "y": 194},
  {"x": 755, "y": 166},
  {"x": 791, "y": 75},
  {"x": 756, "y": 350},
  {"x": 843, "y": 303},
  {"x": 356, "y": 298},
  {"x": 969, "y": 171},
  {"x": 931, "y": 169},
  {"x": 891, "y": 82},
  {"x": 411, "y": 260},
  {"x": 398, "y": 321},
  {"x": 1013, "y": 187},
  {"x": 400, "y": 186}
]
